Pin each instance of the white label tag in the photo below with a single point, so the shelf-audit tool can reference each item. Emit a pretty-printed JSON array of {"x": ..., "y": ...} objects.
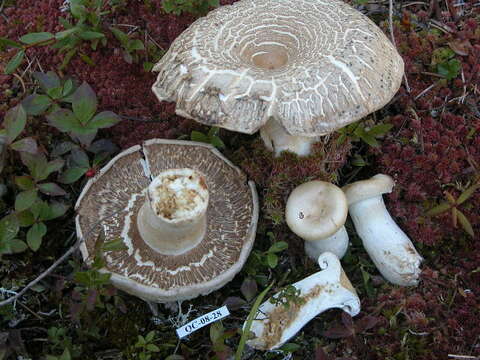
[{"x": 202, "y": 321}]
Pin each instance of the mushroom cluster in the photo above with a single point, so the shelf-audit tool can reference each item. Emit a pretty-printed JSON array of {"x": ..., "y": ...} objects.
[
  {"x": 185, "y": 213},
  {"x": 316, "y": 211},
  {"x": 293, "y": 69}
]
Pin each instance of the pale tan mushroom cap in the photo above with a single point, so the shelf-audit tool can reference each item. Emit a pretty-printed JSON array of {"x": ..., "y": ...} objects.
[
  {"x": 121, "y": 186},
  {"x": 365, "y": 189},
  {"x": 316, "y": 210},
  {"x": 315, "y": 66}
]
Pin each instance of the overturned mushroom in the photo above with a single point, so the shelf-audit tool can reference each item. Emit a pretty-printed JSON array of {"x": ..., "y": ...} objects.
[
  {"x": 186, "y": 215},
  {"x": 316, "y": 211},
  {"x": 387, "y": 245},
  {"x": 276, "y": 321},
  {"x": 293, "y": 69}
]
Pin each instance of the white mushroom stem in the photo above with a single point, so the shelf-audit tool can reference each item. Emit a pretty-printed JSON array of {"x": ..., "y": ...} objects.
[
  {"x": 336, "y": 243},
  {"x": 173, "y": 218},
  {"x": 387, "y": 245},
  {"x": 276, "y": 139},
  {"x": 276, "y": 322}
]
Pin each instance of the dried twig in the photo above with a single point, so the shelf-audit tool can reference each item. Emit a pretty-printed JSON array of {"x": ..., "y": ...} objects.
[
  {"x": 56, "y": 263},
  {"x": 390, "y": 24}
]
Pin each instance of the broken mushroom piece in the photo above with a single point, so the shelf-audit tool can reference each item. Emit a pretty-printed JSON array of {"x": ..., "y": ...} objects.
[
  {"x": 186, "y": 215},
  {"x": 275, "y": 322},
  {"x": 293, "y": 69},
  {"x": 316, "y": 211},
  {"x": 387, "y": 245}
]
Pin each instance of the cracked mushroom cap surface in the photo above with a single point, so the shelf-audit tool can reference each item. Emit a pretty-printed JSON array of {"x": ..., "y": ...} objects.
[
  {"x": 121, "y": 187},
  {"x": 314, "y": 66}
]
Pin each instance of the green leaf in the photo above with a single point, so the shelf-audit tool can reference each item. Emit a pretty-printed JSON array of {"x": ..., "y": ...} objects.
[
  {"x": 87, "y": 59},
  {"x": 63, "y": 148},
  {"x": 467, "y": 193},
  {"x": 53, "y": 210},
  {"x": 115, "y": 245},
  {"x": 150, "y": 336},
  {"x": 63, "y": 119},
  {"x": 47, "y": 80},
  {"x": 68, "y": 56},
  {"x": 449, "y": 69},
  {"x": 10, "y": 43},
  {"x": 90, "y": 35},
  {"x": 248, "y": 324},
  {"x": 51, "y": 167},
  {"x": 15, "y": 62},
  {"x": 36, "y": 104},
  {"x": 51, "y": 189},
  {"x": 136, "y": 45},
  {"x": 465, "y": 223},
  {"x": 153, "y": 348},
  {"x": 9, "y": 227},
  {"x": 148, "y": 66},
  {"x": 25, "y": 218},
  {"x": 14, "y": 122},
  {"x": 67, "y": 88},
  {"x": 38, "y": 37},
  {"x": 104, "y": 120},
  {"x": 217, "y": 142},
  {"x": 66, "y": 33},
  {"x": 78, "y": 10},
  {"x": 120, "y": 35},
  {"x": 272, "y": 260},
  {"x": 17, "y": 246},
  {"x": 290, "y": 347},
  {"x": 36, "y": 163},
  {"x": 25, "y": 199},
  {"x": 198, "y": 136},
  {"x": 24, "y": 182},
  {"x": 84, "y": 103},
  {"x": 369, "y": 139},
  {"x": 55, "y": 93},
  {"x": 379, "y": 130},
  {"x": 79, "y": 158},
  {"x": 35, "y": 235},
  {"x": 439, "y": 209},
  {"x": 27, "y": 144},
  {"x": 65, "y": 355},
  {"x": 278, "y": 246},
  {"x": 71, "y": 175}
]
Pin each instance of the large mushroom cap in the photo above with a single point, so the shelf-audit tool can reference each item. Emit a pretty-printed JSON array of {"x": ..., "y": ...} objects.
[
  {"x": 314, "y": 66},
  {"x": 121, "y": 187}
]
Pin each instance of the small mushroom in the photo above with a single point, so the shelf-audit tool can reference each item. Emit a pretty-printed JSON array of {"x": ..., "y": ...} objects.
[
  {"x": 316, "y": 211},
  {"x": 293, "y": 69},
  {"x": 277, "y": 321},
  {"x": 387, "y": 245},
  {"x": 185, "y": 213}
]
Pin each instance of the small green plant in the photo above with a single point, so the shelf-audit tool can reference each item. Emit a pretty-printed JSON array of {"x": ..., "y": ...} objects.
[
  {"x": 287, "y": 296},
  {"x": 86, "y": 27},
  {"x": 145, "y": 347},
  {"x": 359, "y": 131},
  {"x": 210, "y": 138},
  {"x": 195, "y": 7},
  {"x": 71, "y": 110},
  {"x": 445, "y": 64},
  {"x": 131, "y": 47},
  {"x": 452, "y": 205},
  {"x": 269, "y": 258}
]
